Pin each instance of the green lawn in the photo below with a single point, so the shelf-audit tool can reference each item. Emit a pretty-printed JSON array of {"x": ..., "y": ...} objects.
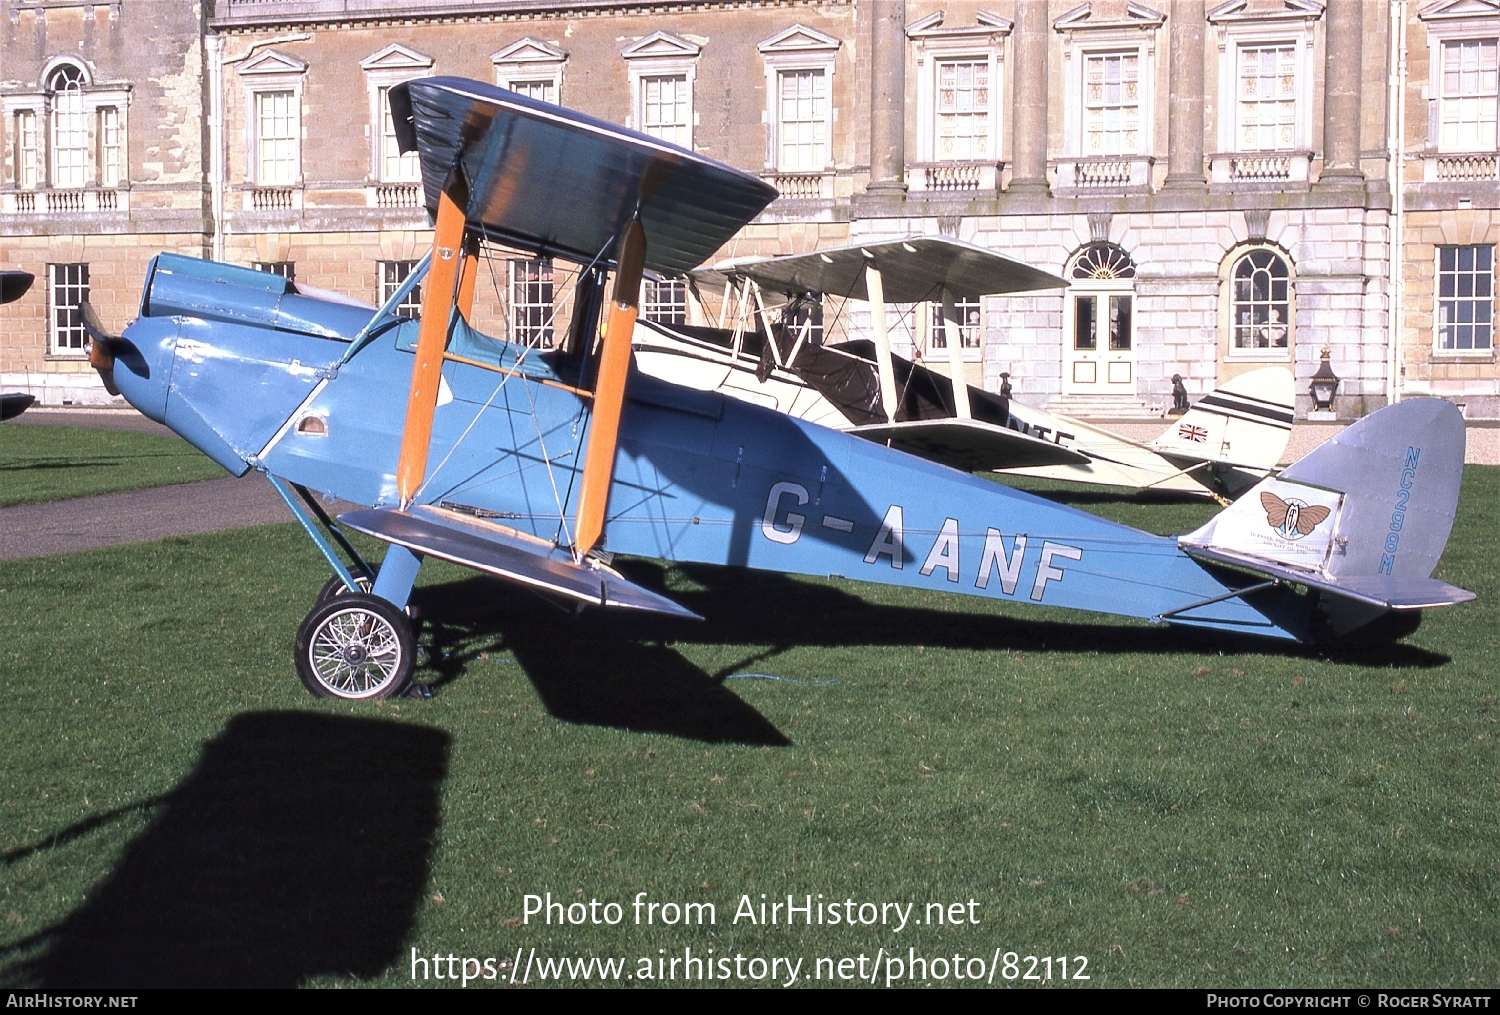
[
  {"x": 45, "y": 463},
  {"x": 1181, "y": 810}
]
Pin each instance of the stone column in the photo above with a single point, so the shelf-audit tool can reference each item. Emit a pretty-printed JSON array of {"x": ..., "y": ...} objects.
[
  {"x": 1185, "y": 102},
  {"x": 887, "y": 98},
  {"x": 1028, "y": 145},
  {"x": 1344, "y": 23}
]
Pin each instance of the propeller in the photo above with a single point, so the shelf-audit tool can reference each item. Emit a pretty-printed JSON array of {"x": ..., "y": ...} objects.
[{"x": 102, "y": 346}]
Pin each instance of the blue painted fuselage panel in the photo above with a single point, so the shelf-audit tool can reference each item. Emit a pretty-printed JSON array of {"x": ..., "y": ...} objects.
[
  {"x": 239, "y": 383},
  {"x": 708, "y": 479}
]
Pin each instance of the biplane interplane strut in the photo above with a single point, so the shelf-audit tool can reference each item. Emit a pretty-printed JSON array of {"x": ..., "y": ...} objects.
[{"x": 262, "y": 375}]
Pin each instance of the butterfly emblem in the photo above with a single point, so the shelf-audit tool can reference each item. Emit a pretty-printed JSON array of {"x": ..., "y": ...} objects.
[{"x": 1292, "y": 518}]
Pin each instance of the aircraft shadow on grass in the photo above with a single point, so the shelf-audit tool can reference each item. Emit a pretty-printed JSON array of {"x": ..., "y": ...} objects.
[
  {"x": 298, "y": 847},
  {"x": 621, "y": 671}
]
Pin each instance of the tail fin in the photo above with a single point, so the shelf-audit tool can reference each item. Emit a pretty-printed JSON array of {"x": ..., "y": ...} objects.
[
  {"x": 1244, "y": 422},
  {"x": 1365, "y": 517}
]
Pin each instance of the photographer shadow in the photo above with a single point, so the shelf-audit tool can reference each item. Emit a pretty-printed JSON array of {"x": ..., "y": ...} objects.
[{"x": 298, "y": 847}]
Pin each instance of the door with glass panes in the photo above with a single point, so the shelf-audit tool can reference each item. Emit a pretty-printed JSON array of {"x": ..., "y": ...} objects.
[{"x": 1099, "y": 324}]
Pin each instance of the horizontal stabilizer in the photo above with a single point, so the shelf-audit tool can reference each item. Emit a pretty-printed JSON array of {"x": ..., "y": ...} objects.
[
  {"x": 506, "y": 553},
  {"x": 970, "y": 445},
  {"x": 1375, "y": 590}
]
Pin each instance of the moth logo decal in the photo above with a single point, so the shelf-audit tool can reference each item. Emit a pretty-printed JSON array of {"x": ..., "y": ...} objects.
[{"x": 1291, "y": 518}]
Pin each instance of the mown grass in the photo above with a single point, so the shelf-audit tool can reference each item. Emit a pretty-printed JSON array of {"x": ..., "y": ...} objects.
[
  {"x": 1182, "y": 810},
  {"x": 46, "y": 463}
]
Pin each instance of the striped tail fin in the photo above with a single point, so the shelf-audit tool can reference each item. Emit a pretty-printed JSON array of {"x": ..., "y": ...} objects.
[{"x": 1244, "y": 422}]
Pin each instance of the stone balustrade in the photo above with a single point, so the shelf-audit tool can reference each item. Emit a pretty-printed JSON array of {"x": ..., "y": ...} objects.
[{"x": 62, "y": 202}]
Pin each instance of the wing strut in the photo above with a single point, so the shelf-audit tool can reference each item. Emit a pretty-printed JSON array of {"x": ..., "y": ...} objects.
[
  {"x": 609, "y": 391},
  {"x": 875, "y": 287},
  {"x": 432, "y": 340},
  {"x": 953, "y": 335}
]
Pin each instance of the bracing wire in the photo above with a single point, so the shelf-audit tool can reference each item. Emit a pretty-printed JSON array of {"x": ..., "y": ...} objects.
[
  {"x": 532, "y": 340},
  {"x": 504, "y": 379}
]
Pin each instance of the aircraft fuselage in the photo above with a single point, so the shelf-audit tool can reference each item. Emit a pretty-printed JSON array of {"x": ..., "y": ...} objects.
[{"x": 698, "y": 477}]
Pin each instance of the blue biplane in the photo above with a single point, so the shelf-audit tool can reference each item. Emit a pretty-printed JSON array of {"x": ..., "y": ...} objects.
[{"x": 538, "y": 465}]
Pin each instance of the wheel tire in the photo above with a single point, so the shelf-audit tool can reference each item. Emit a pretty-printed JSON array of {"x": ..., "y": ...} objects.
[
  {"x": 355, "y": 646},
  {"x": 335, "y": 586}
]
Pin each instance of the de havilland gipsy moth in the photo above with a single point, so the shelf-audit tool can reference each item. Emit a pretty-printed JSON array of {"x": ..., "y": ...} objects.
[{"x": 540, "y": 465}]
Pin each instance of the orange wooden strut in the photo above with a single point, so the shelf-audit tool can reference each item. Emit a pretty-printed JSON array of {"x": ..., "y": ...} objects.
[
  {"x": 609, "y": 391},
  {"x": 432, "y": 340}
]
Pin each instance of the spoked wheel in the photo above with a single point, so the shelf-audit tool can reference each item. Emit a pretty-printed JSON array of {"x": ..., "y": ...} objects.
[{"x": 355, "y": 646}]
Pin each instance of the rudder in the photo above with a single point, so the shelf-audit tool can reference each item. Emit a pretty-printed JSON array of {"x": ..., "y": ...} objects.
[{"x": 1244, "y": 422}]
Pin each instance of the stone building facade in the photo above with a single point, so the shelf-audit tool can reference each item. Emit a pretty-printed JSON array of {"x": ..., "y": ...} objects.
[
  {"x": 105, "y": 134},
  {"x": 1221, "y": 181},
  {"x": 1448, "y": 204}
]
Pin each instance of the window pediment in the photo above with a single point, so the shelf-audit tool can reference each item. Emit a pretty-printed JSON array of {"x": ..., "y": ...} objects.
[
  {"x": 663, "y": 45},
  {"x": 1082, "y": 18},
  {"x": 272, "y": 62},
  {"x": 799, "y": 39},
  {"x": 934, "y": 28},
  {"x": 1247, "y": 10},
  {"x": 1453, "y": 10},
  {"x": 528, "y": 50},
  {"x": 396, "y": 57}
]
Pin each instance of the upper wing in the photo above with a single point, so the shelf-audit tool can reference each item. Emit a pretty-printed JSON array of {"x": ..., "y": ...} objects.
[
  {"x": 912, "y": 269},
  {"x": 597, "y": 176}
]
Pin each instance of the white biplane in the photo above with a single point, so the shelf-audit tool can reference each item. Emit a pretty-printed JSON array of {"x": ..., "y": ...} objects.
[{"x": 765, "y": 349}]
